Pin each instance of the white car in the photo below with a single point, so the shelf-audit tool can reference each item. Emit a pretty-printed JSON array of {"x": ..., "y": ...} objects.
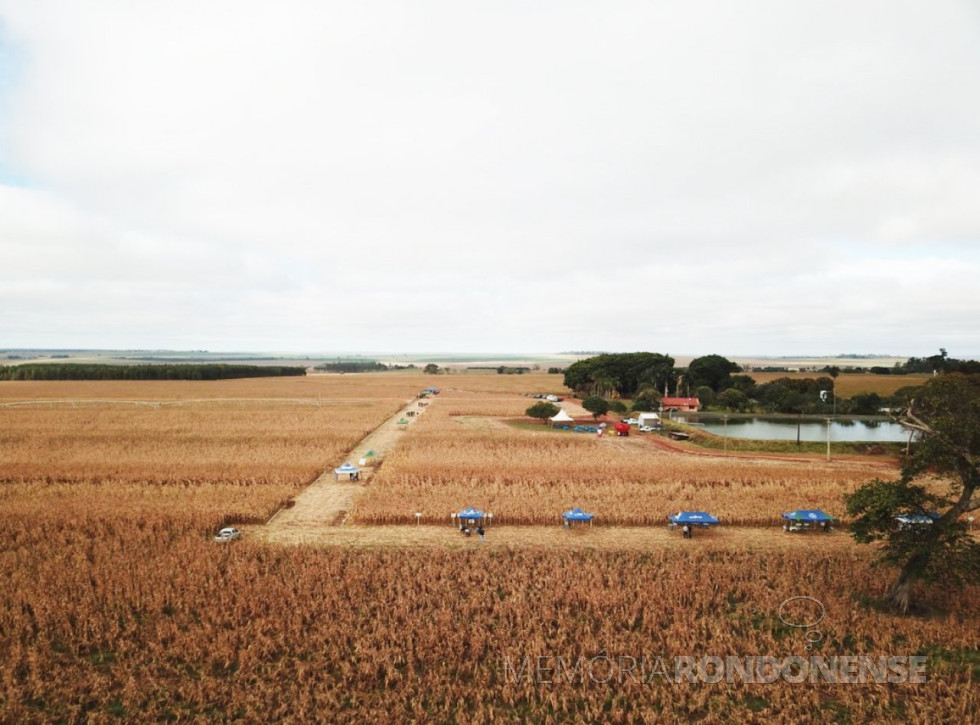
[
  {"x": 646, "y": 428},
  {"x": 630, "y": 421},
  {"x": 227, "y": 534}
]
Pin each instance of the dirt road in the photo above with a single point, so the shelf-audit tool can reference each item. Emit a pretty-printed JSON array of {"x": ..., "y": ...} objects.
[{"x": 326, "y": 502}]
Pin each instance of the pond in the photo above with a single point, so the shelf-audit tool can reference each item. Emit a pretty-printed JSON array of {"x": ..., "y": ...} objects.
[{"x": 867, "y": 430}]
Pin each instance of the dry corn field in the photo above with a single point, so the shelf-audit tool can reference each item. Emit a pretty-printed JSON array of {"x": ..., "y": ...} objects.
[
  {"x": 848, "y": 385},
  {"x": 117, "y": 605},
  {"x": 458, "y": 456},
  {"x": 103, "y": 621},
  {"x": 241, "y": 448}
]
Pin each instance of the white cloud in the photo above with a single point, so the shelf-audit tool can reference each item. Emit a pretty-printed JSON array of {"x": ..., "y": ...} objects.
[{"x": 687, "y": 177}]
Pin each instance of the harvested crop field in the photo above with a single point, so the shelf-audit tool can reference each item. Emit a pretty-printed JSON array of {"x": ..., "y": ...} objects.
[{"x": 118, "y": 605}]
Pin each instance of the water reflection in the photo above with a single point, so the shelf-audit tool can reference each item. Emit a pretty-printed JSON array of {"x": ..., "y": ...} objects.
[{"x": 876, "y": 430}]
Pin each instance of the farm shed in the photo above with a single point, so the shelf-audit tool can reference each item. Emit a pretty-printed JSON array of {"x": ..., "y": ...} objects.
[{"x": 683, "y": 405}]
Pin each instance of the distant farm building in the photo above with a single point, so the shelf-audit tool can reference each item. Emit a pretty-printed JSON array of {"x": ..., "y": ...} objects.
[{"x": 681, "y": 405}]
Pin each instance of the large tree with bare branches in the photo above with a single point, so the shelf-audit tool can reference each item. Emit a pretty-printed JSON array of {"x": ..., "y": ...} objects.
[{"x": 940, "y": 483}]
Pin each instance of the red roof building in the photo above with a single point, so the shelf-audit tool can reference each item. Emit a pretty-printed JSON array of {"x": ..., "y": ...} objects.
[{"x": 684, "y": 405}]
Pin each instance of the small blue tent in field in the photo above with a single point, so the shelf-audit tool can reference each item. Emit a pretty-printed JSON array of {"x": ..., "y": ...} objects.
[
  {"x": 470, "y": 514},
  {"x": 692, "y": 518},
  {"x": 906, "y": 521},
  {"x": 577, "y": 514},
  {"x": 804, "y": 519},
  {"x": 347, "y": 469},
  {"x": 815, "y": 516}
]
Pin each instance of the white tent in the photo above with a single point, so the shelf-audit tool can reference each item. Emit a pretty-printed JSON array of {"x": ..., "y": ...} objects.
[{"x": 561, "y": 417}]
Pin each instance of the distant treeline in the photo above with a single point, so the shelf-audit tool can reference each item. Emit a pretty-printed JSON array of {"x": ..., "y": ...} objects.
[
  {"x": 934, "y": 364},
  {"x": 360, "y": 366},
  {"x": 500, "y": 369},
  {"x": 89, "y": 371}
]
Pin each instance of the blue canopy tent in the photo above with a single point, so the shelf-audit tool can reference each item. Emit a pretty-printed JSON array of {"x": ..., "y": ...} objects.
[
  {"x": 692, "y": 518},
  {"x": 576, "y": 514},
  {"x": 906, "y": 521},
  {"x": 348, "y": 469},
  {"x": 471, "y": 516},
  {"x": 687, "y": 520},
  {"x": 806, "y": 518},
  {"x": 808, "y": 515}
]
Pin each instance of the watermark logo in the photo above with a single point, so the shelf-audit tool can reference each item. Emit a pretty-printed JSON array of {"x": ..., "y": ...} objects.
[
  {"x": 800, "y": 612},
  {"x": 611, "y": 670},
  {"x": 802, "y": 607}
]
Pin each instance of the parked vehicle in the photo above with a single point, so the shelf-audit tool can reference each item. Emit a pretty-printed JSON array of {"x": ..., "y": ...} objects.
[{"x": 228, "y": 534}]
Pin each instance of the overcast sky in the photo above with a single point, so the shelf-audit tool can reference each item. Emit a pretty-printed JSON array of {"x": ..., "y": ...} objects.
[{"x": 742, "y": 178}]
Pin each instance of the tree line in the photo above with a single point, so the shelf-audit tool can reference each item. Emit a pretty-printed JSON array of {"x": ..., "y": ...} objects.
[
  {"x": 717, "y": 382},
  {"x": 931, "y": 365},
  {"x": 361, "y": 366},
  {"x": 101, "y": 371}
]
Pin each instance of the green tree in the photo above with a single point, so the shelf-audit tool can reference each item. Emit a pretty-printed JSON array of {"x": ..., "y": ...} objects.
[
  {"x": 596, "y": 405},
  {"x": 744, "y": 383},
  {"x": 542, "y": 410},
  {"x": 945, "y": 414},
  {"x": 833, "y": 371},
  {"x": 712, "y": 370},
  {"x": 621, "y": 373},
  {"x": 647, "y": 400},
  {"x": 733, "y": 399},
  {"x": 605, "y": 385},
  {"x": 865, "y": 404},
  {"x": 431, "y": 369},
  {"x": 705, "y": 395},
  {"x": 771, "y": 395}
]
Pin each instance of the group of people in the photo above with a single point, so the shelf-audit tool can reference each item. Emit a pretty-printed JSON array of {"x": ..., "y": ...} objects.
[
  {"x": 465, "y": 531},
  {"x": 795, "y": 526}
]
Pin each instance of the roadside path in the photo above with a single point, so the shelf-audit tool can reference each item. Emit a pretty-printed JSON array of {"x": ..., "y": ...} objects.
[{"x": 326, "y": 502}]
